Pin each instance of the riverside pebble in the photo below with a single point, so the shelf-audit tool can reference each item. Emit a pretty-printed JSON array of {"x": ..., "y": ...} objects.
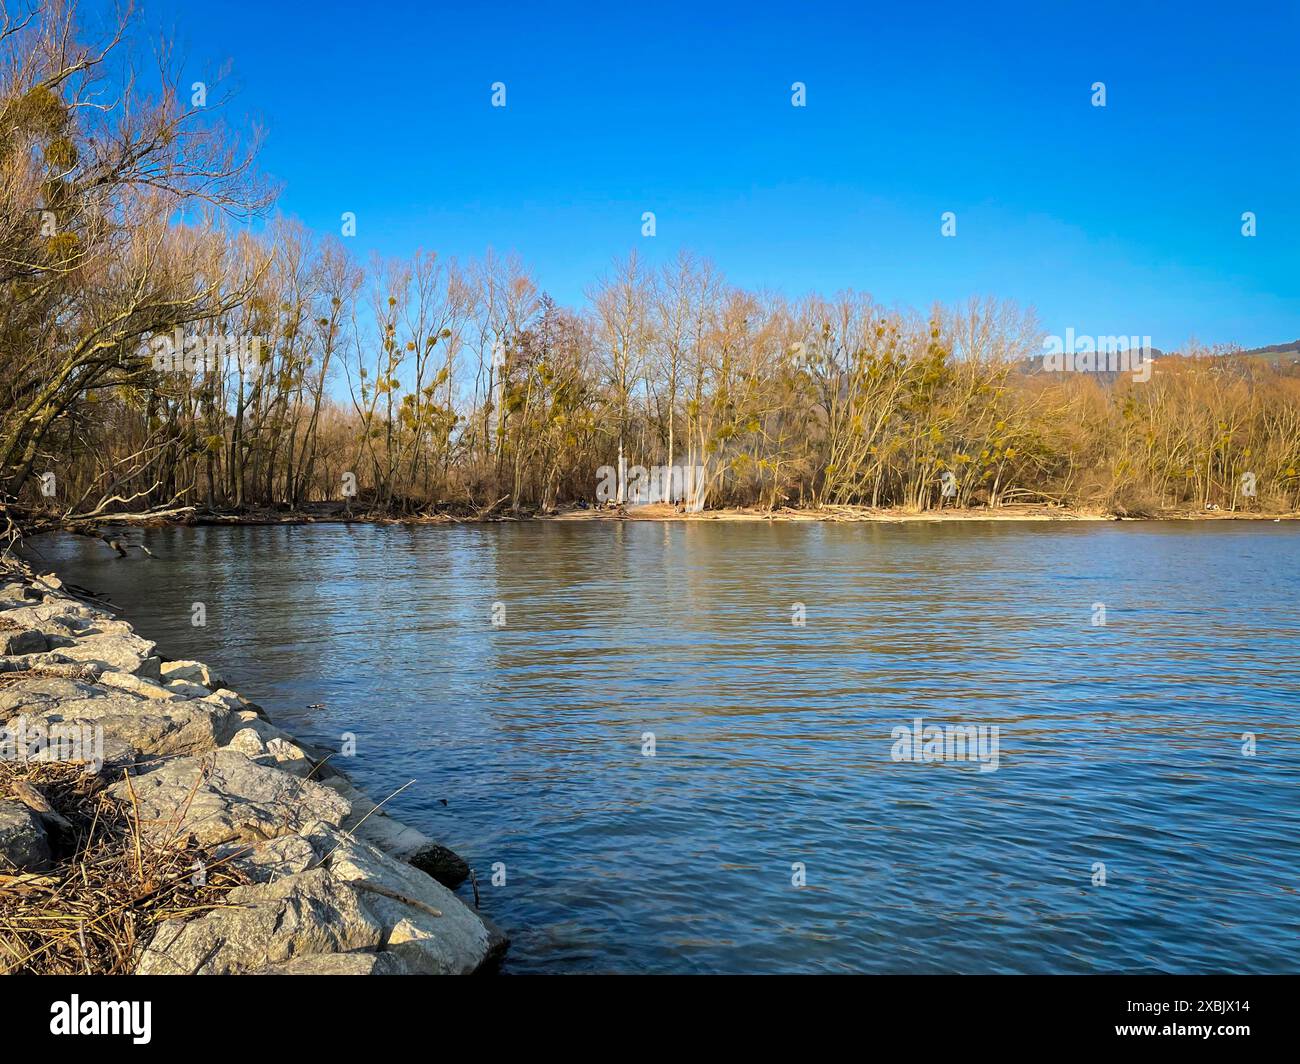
[{"x": 338, "y": 886}]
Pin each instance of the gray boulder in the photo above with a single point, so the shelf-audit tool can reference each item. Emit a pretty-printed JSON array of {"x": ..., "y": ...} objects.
[
  {"x": 120, "y": 652},
  {"x": 227, "y": 797},
  {"x": 275, "y": 750},
  {"x": 194, "y": 672},
  {"x": 185, "y": 689},
  {"x": 459, "y": 941},
  {"x": 317, "y": 921},
  {"x": 60, "y": 616},
  {"x": 446, "y": 866},
  {"x": 22, "y": 641},
  {"x": 359, "y": 962},
  {"x": 16, "y": 593},
  {"x": 35, "y": 693},
  {"x": 148, "y": 727},
  {"x": 138, "y": 685},
  {"x": 23, "y": 842},
  {"x": 375, "y": 826},
  {"x": 265, "y": 924},
  {"x": 265, "y": 861}
]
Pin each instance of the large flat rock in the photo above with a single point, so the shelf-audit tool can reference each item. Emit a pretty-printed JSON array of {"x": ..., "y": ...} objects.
[
  {"x": 121, "y": 652},
  {"x": 226, "y": 796},
  {"x": 150, "y": 728},
  {"x": 308, "y": 914},
  {"x": 360, "y": 912},
  {"x": 32, "y": 694}
]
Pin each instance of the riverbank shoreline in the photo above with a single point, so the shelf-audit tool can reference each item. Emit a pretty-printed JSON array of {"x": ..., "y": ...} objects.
[
  {"x": 337, "y": 513},
  {"x": 314, "y": 876}
]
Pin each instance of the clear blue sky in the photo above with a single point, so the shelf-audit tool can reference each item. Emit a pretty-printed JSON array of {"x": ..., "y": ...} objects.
[{"x": 1122, "y": 220}]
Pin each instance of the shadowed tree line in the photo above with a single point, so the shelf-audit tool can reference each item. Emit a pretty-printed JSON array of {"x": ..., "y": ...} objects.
[{"x": 157, "y": 354}]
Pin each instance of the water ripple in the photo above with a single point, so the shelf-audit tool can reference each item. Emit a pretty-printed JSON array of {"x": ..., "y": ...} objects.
[{"x": 1119, "y": 745}]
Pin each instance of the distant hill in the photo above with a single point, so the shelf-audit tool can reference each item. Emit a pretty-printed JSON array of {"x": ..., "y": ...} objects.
[
  {"x": 1292, "y": 349},
  {"x": 1284, "y": 358}
]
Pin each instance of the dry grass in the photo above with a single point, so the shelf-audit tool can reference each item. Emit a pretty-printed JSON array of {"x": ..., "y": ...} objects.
[
  {"x": 111, "y": 883},
  {"x": 45, "y": 672}
]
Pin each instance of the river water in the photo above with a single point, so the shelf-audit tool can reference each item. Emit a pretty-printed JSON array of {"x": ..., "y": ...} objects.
[{"x": 670, "y": 773}]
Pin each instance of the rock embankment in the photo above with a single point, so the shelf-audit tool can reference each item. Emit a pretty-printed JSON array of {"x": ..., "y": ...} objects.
[{"x": 333, "y": 885}]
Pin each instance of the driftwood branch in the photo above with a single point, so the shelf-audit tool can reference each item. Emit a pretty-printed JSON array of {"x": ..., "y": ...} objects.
[{"x": 21, "y": 522}]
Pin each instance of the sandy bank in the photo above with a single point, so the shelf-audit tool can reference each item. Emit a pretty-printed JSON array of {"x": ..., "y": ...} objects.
[{"x": 335, "y": 513}]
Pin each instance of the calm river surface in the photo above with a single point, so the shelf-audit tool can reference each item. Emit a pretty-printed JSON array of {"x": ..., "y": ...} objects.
[{"x": 1119, "y": 745}]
